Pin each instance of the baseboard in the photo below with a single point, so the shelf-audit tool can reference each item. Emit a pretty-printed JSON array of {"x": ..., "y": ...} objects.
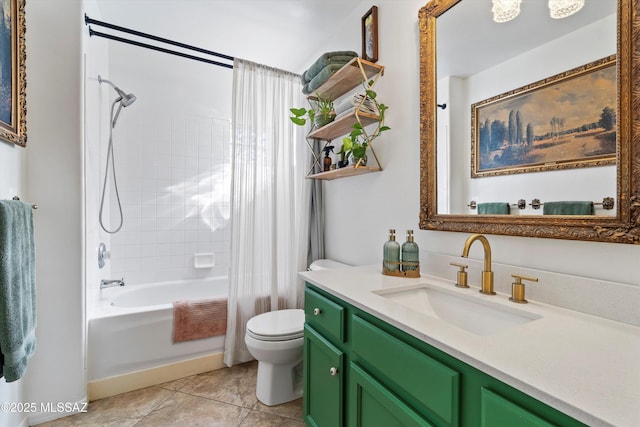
[{"x": 136, "y": 380}]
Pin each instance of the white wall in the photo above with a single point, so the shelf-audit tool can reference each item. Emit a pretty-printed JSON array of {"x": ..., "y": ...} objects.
[
  {"x": 360, "y": 210},
  {"x": 56, "y": 373}
]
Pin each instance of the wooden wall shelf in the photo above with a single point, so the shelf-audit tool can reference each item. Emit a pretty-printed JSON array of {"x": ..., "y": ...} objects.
[{"x": 344, "y": 172}]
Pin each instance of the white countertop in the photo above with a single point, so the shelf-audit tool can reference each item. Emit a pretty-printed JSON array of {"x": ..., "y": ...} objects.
[{"x": 585, "y": 366}]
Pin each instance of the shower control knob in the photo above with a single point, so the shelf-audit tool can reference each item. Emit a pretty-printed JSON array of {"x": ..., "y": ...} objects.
[
  {"x": 333, "y": 372},
  {"x": 316, "y": 311}
]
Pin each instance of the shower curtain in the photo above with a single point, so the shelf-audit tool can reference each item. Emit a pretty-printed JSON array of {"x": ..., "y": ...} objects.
[{"x": 269, "y": 200}]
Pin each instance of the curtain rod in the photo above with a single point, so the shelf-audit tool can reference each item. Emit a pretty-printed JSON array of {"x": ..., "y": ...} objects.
[{"x": 88, "y": 21}]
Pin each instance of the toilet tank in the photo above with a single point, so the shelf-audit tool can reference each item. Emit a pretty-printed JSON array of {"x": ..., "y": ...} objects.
[{"x": 324, "y": 264}]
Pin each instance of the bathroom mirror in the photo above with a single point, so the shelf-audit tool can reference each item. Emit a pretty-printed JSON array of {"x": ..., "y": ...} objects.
[{"x": 487, "y": 63}]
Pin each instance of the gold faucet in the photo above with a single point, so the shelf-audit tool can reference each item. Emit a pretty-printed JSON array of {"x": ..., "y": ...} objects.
[{"x": 487, "y": 274}]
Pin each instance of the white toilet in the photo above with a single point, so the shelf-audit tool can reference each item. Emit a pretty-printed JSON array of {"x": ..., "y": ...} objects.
[{"x": 275, "y": 340}]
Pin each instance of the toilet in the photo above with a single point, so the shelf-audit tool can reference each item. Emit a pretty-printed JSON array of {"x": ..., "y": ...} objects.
[{"x": 275, "y": 340}]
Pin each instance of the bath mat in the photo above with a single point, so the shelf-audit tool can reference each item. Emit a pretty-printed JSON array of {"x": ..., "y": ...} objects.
[{"x": 196, "y": 319}]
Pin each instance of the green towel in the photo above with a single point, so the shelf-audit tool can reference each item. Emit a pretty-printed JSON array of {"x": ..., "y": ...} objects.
[
  {"x": 567, "y": 208},
  {"x": 17, "y": 288},
  {"x": 320, "y": 78},
  {"x": 337, "y": 57},
  {"x": 494, "y": 208}
]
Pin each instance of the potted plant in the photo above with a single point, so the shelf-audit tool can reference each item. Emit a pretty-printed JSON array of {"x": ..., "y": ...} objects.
[
  {"x": 321, "y": 115},
  {"x": 356, "y": 144}
]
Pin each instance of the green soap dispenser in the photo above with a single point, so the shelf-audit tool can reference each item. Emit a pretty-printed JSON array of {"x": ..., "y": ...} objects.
[
  {"x": 410, "y": 256},
  {"x": 391, "y": 252}
]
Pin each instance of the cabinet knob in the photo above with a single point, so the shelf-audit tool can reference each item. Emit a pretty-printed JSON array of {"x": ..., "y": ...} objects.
[
  {"x": 316, "y": 311},
  {"x": 333, "y": 371},
  {"x": 517, "y": 288}
]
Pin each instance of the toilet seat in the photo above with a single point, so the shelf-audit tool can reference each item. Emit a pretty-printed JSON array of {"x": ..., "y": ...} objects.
[{"x": 280, "y": 325}]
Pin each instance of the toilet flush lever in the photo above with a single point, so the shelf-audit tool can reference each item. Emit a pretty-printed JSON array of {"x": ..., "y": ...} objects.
[{"x": 316, "y": 311}]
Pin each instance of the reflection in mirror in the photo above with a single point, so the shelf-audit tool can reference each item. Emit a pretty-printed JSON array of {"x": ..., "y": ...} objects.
[
  {"x": 553, "y": 139},
  {"x": 558, "y": 115}
]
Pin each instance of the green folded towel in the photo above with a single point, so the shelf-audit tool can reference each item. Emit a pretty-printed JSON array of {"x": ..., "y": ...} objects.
[
  {"x": 17, "y": 288},
  {"x": 567, "y": 208},
  {"x": 338, "y": 57},
  {"x": 321, "y": 77},
  {"x": 494, "y": 208}
]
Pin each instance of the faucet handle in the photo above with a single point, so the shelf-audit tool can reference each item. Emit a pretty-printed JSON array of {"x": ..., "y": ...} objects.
[
  {"x": 462, "y": 275},
  {"x": 517, "y": 288}
]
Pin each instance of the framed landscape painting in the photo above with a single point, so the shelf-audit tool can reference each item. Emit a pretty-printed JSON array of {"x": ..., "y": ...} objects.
[
  {"x": 565, "y": 121},
  {"x": 13, "y": 110}
]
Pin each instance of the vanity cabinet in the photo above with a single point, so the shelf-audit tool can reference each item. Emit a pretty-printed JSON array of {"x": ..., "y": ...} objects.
[{"x": 359, "y": 371}]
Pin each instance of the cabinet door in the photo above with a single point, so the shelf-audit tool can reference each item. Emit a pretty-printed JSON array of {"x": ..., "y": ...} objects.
[
  {"x": 323, "y": 381},
  {"x": 372, "y": 405},
  {"x": 500, "y": 412}
]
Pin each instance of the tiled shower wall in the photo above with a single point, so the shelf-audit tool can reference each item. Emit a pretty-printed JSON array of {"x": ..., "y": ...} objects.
[{"x": 173, "y": 174}]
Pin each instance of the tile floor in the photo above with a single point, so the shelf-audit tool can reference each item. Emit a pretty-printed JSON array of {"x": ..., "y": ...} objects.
[{"x": 225, "y": 398}]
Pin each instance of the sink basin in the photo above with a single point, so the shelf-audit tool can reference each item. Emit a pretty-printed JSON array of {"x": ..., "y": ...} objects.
[{"x": 470, "y": 313}]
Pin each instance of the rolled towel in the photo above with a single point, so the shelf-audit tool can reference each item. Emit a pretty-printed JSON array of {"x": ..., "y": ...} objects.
[
  {"x": 17, "y": 288},
  {"x": 568, "y": 208},
  {"x": 329, "y": 58},
  {"x": 494, "y": 208},
  {"x": 350, "y": 102},
  {"x": 320, "y": 78}
]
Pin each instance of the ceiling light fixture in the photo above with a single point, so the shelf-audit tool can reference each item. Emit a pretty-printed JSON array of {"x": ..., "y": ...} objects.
[
  {"x": 506, "y": 10},
  {"x": 562, "y": 8}
]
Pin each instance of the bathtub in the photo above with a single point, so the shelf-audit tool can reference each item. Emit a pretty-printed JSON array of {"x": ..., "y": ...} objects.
[{"x": 130, "y": 329}]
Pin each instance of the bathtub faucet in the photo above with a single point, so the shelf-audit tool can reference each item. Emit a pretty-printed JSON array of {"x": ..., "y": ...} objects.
[{"x": 109, "y": 283}]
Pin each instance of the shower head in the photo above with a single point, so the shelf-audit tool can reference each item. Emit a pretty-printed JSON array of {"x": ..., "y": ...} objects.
[{"x": 125, "y": 99}]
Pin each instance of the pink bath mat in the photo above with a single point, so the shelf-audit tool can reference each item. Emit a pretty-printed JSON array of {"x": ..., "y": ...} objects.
[{"x": 201, "y": 318}]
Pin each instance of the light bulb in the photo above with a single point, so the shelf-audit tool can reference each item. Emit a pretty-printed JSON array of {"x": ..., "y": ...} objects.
[
  {"x": 505, "y": 10},
  {"x": 562, "y": 8}
]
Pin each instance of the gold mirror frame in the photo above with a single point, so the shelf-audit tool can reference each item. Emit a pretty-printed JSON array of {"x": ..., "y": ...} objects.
[{"x": 624, "y": 228}]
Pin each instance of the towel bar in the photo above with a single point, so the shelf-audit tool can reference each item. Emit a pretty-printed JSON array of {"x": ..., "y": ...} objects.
[
  {"x": 607, "y": 203},
  {"x": 522, "y": 204},
  {"x": 18, "y": 198}
]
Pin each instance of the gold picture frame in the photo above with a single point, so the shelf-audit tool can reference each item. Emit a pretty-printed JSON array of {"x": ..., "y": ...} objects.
[
  {"x": 562, "y": 122},
  {"x": 13, "y": 82}
]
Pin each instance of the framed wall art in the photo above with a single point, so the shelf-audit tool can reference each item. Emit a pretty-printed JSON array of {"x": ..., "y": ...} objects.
[
  {"x": 565, "y": 121},
  {"x": 370, "y": 35},
  {"x": 13, "y": 108}
]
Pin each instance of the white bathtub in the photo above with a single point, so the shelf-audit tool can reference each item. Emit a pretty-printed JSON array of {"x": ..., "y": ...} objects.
[{"x": 131, "y": 330}]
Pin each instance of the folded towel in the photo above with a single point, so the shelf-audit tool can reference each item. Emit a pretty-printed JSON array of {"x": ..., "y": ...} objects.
[
  {"x": 568, "y": 208},
  {"x": 351, "y": 102},
  {"x": 17, "y": 288},
  {"x": 337, "y": 57},
  {"x": 201, "y": 318},
  {"x": 321, "y": 77},
  {"x": 494, "y": 208}
]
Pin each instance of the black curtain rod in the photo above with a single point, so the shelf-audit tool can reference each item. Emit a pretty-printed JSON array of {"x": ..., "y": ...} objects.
[{"x": 88, "y": 21}]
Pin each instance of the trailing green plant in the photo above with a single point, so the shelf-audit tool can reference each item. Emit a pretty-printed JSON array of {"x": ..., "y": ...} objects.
[
  {"x": 357, "y": 142},
  {"x": 323, "y": 111}
]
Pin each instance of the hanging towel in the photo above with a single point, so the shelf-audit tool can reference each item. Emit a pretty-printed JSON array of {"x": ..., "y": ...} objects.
[
  {"x": 494, "y": 208},
  {"x": 338, "y": 57},
  {"x": 201, "y": 318},
  {"x": 567, "y": 208},
  {"x": 17, "y": 288}
]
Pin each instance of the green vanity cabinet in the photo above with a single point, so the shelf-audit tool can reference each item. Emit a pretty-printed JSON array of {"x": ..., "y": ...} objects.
[
  {"x": 363, "y": 372},
  {"x": 323, "y": 378}
]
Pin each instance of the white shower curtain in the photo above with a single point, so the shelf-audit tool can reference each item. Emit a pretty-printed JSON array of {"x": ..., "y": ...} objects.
[{"x": 269, "y": 200}]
